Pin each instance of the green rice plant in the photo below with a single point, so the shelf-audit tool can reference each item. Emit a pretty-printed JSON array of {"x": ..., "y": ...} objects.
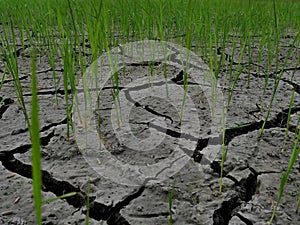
[
  {"x": 68, "y": 61},
  {"x": 267, "y": 76},
  {"x": 211, "y": 51},
  {"x": 9, "y": 51},
  {"x": 73, "y": 22},
  {"x": 249, "y": 45},
  {"x": 55, "y": 80},
  {"x": 288, "y": 119},
  {"x": 160, "y": 23},
  {"x": 36, "y": 145},
  {"x": 61, "y": 197},
  {"x": 71, "y": 194},
  {"x": 260, "y": 49},
  {"x": 294, "y": 157},
  {"x": 94, "y": 26},
  {"x": 188, "y": 45},
  {"x": 115, "y": 93},
  {"x": 189, "y": 15},
  {"x": 170, "y": 198},
  {"x": 237, "y": 75},
  {"x": 277, "y": 34},
  {"x": 222, "y": 58},
  {"x": 231, "y": 62},
  {"x": 277, "y": 81},
  {"x": 2, "y": 79}
]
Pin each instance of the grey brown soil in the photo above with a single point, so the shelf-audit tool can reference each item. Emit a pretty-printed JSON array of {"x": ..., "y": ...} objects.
[{"x": 252, "y": 172}]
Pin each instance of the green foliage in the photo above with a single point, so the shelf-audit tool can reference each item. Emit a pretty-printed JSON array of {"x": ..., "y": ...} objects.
[
  {"x": 36, "y": 146},
  {"x": 61, "y": 27},
  {"x": 294, "y": 156},
  {"x": 60, "y": 197}
]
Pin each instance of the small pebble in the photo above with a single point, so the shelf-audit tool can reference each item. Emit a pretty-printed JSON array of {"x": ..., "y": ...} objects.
[
  {"x": 17, "y": 200},
  {"x": 6, "y": 213},
  {"x": 10, "y": 175}
]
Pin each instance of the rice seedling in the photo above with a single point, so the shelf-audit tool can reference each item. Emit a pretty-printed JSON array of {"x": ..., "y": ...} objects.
[
  {"x": 68, "y": 77},
  {"x": 2, "y": 80},
  {"x": 9, "y": 51},
  {"x": 294, "y": 156},
  {"x": 36, "y": 146},
  {"x": 237, "y": 75},
  {"x": 170, "y": 198},
  {"x": 61, "y": 197},
  {"x": 277, "y": 81},
  {"x": 288, "y": 120}
]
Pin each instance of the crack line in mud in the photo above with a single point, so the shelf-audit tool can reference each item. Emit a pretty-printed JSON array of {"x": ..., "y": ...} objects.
[
  {"x": 97, "y": 210},
  {"x": 177, "y": 79},
  {"x": 150, "y": 215},
  {"x": 228, "y": 58},
  {"x": 295, "y": 85},
  {"x": 280, "y": 121},
  {"x": 244, "y": 219},
  {"x": 290, "y": 82},
  {"x": 172, "y": 57},
  {"x": 50, "y": 91},
  {"x": 25, "y": 76},
  {"x": 146, "y": 107},
  {"x": 170, "y": 132},
  {"x": 46, "y": 127},
  {"x": 21, "y": 77},
  {"x": 285, "y": 70},
  {"x": 126, "y": 201},
  {"x": 26, "y": 147},
  {"x": 243, "y": 192}
]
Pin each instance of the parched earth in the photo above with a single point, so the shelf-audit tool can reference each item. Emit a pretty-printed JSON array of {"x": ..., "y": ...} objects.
[{"x": 134, "y": 165}]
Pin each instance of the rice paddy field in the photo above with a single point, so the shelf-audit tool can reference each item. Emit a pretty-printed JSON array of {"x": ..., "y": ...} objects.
[{"x": 126, "y": 112}]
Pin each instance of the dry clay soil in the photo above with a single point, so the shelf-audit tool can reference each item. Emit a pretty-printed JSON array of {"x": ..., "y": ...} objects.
[{"x": 252, "y": 171}]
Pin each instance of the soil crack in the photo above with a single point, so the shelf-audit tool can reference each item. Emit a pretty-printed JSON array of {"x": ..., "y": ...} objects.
[
  {"x": 45, "y": 128},
  {"x": 145, "y": 107},
  {"x": 244, "y": 219},
  {"x": 279, "y": 121},
  {"x": 97, "y": 211},
  {"x": 26, "y": 147},
  {"x": 150, "y": 215},
  {"x": 243, "y": 192}
]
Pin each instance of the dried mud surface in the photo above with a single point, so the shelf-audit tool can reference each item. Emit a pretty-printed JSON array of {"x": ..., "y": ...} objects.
[{"x": 253, "y": 168}]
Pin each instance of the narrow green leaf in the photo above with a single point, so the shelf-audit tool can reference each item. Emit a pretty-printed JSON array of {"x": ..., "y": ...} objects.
[
  {"x": 60, "y": 197},
  {"x": 285, "y": 177},
  {"x": 35, "y": 140}
]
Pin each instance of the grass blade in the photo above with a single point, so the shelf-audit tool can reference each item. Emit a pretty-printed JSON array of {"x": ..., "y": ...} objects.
[
  {"x": 60, "y": 197},
  {"x": 35, "y": 140},
  {"x": 285, "y": 177}
]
